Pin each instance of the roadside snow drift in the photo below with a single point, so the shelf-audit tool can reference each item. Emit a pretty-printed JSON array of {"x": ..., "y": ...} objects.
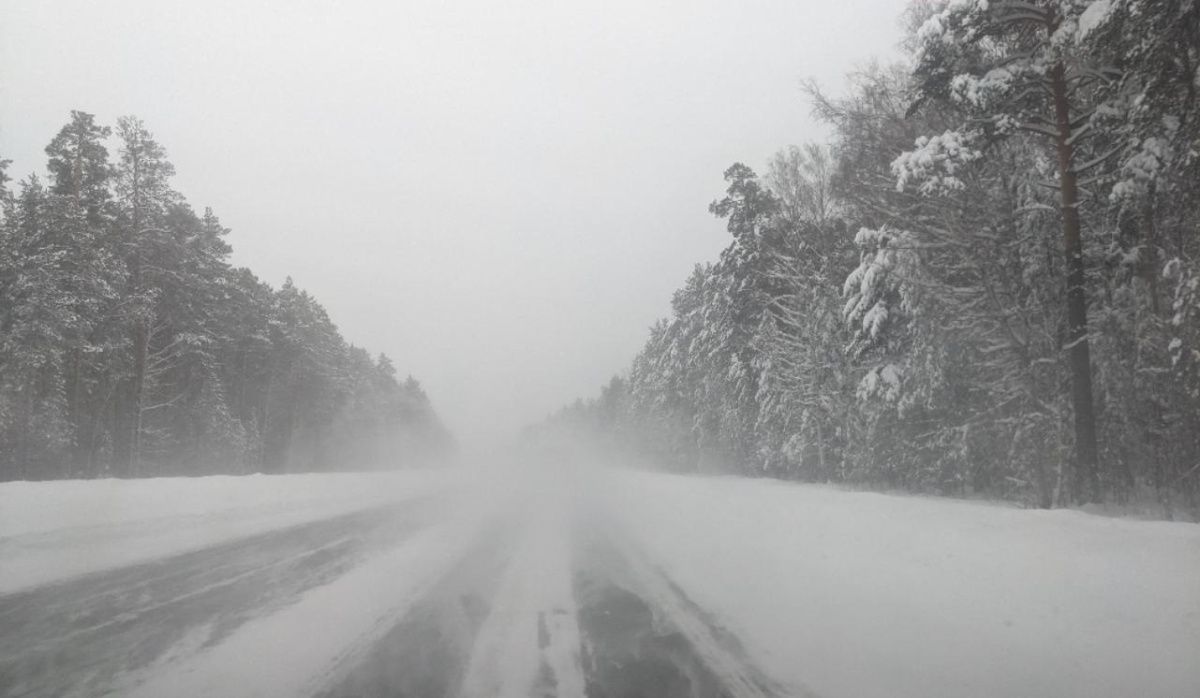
[
  {"x": 50, "y": 531},
  {"x": 858, "y": 594}
]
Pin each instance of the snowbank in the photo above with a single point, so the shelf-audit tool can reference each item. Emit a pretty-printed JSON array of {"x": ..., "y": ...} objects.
[
  {"x": 859, "y": 594},
  {"x": 51, "y": 531}
]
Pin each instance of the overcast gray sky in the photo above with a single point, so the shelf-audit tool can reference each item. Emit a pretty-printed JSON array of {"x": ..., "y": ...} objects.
[{"x": 499, "y": 195}]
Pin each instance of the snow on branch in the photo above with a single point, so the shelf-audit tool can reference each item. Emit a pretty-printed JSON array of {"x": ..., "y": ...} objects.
[{"x": 933, "y": 165}]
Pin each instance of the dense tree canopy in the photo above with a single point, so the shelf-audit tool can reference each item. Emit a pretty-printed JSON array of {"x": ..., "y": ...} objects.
[
  {"x": 987, "y": 282},
  {"x": 129, "y": 346}
]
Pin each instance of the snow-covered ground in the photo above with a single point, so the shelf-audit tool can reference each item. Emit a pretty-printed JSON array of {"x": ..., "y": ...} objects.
[
  {"x": 860, "y": 594},
  {"x": 518, "y": 584},
  {"x": 50, "y": 531}
]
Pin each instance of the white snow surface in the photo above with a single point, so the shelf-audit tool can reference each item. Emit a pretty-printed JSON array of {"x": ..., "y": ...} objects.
[
  {"x": 831, "y": 592},
  {"x": 536, "y": 590},
  {"x": 293, "y": 652},
  {"x": 303, "y": 648},
  {"x": 860, "y": 594},
  {"x": 51, "y": 531},
  {"x": 1095, "y": 15}
]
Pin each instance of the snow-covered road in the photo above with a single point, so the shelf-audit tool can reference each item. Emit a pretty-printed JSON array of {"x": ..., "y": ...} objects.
[{"x": 572, "y": 582}]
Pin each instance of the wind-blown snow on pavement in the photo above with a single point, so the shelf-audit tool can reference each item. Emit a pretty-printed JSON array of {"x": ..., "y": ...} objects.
[{"x": 561, "y": 581}]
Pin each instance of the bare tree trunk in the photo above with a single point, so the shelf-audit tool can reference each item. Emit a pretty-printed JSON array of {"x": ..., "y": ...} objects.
[
  {"x": 22, "y": 463},
  {"x": 75, "y": 417},
  {"x": 1148, "y": 259},
  {"x": 120, "y": 431},
  {"x": 136, "y": 390},
  {"x": 1045, "y": 488},
  {"x": 141, "y": 339},
  {"x": 821, "y": 452},
  {"x": 1086, "y": 483}
]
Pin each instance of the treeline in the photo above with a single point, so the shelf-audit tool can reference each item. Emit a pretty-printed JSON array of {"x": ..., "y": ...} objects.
[
  {"x": 130, "y": 347},
  {"x": 987, "y": 282}
]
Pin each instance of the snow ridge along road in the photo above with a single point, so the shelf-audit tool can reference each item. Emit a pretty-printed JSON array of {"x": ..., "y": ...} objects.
[{"x": 573, "y": 582}]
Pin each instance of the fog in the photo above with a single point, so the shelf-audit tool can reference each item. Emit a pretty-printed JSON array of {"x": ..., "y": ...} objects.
[
  {"x": 763, "y": 349},
  {"x": 501, "y": 197}
]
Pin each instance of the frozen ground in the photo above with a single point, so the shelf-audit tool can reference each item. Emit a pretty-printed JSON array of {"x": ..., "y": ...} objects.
[
  {"x": 860, "y": 594},
  {"x": 55, "y": 530},
  {"x": 557, "y": 582}
]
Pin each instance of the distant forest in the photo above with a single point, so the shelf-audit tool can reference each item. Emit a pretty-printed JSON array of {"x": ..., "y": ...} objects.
[
  {"x": 986, "y": 283},
  {"x": 130, "y": 347}
]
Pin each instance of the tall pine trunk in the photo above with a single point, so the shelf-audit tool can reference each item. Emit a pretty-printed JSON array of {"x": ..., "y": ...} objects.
[
  {"x": 140, "y": 332},
  {"x": 75, "y": 417},
  {"x": 1086, "y": 483},
  {"x": 136, "y": 391},
  {"x": 1148, "y": 255}
]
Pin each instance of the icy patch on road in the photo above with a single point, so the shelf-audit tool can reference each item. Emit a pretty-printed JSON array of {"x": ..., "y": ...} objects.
[{"x": 51, "y": 531}]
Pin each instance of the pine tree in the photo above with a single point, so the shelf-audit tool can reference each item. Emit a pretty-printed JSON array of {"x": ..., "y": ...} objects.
[
  {"x": 128, "y": 346},
  {"x": 1015, "y": 67}
]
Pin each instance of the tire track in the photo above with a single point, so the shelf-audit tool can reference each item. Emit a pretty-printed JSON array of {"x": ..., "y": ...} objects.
[
  {"x": 643, "y": 636},
  {"x": 426, "y": 653}
]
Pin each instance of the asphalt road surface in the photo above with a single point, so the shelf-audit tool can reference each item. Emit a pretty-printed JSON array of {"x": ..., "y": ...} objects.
[{"x": 534, "y": 601}]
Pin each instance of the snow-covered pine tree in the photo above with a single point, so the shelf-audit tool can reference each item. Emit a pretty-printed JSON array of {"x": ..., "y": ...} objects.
[{"x": 1016, "y": 67}]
